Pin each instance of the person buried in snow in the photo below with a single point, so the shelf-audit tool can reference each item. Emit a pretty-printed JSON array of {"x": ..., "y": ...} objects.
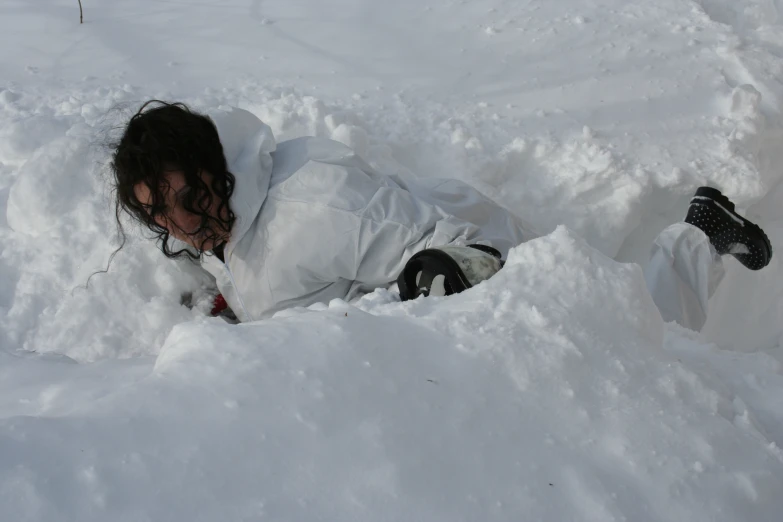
[{"x": 307, "y": 220}]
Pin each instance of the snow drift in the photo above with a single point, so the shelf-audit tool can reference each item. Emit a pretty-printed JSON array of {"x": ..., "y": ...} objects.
[{"x": 555, "y": 408}]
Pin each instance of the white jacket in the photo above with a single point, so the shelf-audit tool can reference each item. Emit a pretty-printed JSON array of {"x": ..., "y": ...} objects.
[{"x": 315, "y": 222}]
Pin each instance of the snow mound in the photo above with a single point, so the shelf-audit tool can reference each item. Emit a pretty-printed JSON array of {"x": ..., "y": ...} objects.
[{"x": 517, "y": 398}]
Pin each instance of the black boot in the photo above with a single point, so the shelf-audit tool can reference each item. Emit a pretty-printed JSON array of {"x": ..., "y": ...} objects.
[
  {"x": 729, "y": 232},
  {"x": 447, "y": 270}
]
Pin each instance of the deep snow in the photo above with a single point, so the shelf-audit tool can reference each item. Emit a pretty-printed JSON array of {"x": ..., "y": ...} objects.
[{"x": 551, "y": 392}]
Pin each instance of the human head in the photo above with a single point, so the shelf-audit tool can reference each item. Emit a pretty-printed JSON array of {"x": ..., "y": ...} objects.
[{"x": 171, "y": 176}]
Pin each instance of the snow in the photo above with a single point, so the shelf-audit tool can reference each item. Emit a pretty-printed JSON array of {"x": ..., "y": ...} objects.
[{"x": 552, "y": 391}]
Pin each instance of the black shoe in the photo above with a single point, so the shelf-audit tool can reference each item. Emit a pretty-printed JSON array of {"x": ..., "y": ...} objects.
[
  {"x": 457, "y": 268},
  {"x": 729, "y": 232}
]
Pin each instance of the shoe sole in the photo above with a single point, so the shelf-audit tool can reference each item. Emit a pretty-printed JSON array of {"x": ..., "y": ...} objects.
[{"x": 715, "y": 196}]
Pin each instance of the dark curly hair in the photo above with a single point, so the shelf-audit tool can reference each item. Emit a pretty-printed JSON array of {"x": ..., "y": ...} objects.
[{"x": 163, "y": 137}]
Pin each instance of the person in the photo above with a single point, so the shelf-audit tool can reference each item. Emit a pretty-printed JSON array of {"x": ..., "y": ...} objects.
[{"x": 307, "y": 220}]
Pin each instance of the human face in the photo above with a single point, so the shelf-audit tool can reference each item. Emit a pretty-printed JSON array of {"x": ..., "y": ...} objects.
[{"x": 180, "y": 223}]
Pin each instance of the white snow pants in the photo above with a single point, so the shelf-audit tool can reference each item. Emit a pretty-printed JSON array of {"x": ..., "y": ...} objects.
[{"x": 683, "y": 273}]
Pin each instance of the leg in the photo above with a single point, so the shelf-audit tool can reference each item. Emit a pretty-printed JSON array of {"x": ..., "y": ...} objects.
[
  {"x": 497, "y": 225},
  {"x": 685, "y": 267},
  {"x": 683, "y": 273}
]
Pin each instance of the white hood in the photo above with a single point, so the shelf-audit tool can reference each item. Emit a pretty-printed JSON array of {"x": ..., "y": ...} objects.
[{"x": 247, "y": 145}]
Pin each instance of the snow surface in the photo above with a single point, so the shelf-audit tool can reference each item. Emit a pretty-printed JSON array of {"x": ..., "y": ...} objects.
[{"x": 551, "y": 392}]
